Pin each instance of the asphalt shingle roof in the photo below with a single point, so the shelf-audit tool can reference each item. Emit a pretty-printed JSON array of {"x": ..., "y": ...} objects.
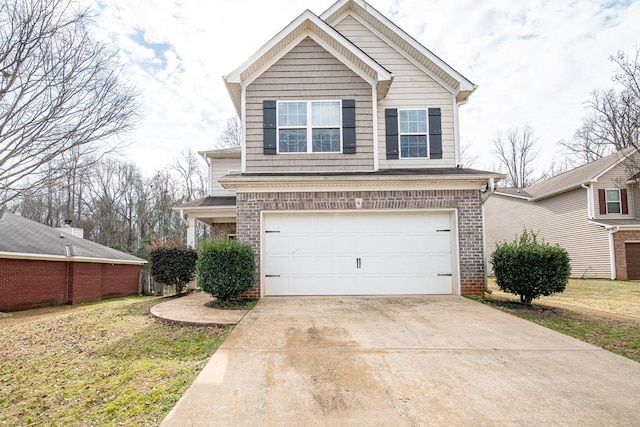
[{"x": 22, "y": 236}]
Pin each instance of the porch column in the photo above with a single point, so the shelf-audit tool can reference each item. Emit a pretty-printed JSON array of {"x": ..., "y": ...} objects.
[{"x": 192, "y": 233}]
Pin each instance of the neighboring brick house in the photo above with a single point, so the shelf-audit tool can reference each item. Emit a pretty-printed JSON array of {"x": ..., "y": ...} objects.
[
  {"x": 349, "y": 176},
  {"x": 592, "y": 211},
  {"x": 43, "y": 266}
]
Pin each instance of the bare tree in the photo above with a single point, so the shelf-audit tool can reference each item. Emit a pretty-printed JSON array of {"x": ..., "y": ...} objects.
[
  {"x": 59, "y": 91},
  {"x": 613, "y": 116},
  {"x": 190, "y": 170},
  {"x": 232, "y": 134},
  {"x": 467, "y": 157},
  {"x": 516, "y": 150}
]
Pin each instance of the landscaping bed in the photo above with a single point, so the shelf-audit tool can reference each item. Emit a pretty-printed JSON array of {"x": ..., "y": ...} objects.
[{"x": 108, "y": 363}]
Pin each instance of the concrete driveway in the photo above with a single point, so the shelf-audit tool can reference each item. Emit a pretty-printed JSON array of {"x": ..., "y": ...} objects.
[{"x": 396, "y": 361}]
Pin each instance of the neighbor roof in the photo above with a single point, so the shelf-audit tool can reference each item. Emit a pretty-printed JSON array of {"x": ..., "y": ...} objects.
[
  {"x": 26, "y": 239},
  {"x": 569, "y": 180}
]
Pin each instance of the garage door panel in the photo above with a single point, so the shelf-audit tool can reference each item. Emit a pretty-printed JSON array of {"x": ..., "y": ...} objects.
[{"x": 358, "y": 254}]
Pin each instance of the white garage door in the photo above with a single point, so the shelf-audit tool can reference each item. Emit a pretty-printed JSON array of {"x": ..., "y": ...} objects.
[{"x": 357, "y": 253}]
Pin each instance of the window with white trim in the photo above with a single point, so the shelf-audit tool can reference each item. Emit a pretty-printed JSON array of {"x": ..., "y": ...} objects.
[
  {"x": 413, "y": 133},
  {"x": 612, "y": 198},
  {"x": 302, "y": 121}
]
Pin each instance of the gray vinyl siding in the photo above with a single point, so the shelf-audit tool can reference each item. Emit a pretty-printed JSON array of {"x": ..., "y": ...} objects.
[
  {"x": 218, "y": 168},
  {"x": 615, "y": 178},
  {"x": 411, "y": 88},
  {"x": 309, "y": 72},
  {"x": 561, "y": 219}
]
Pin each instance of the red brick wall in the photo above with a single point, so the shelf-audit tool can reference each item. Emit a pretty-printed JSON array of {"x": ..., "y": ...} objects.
[
  {"x": 222, "y": 230},
  {"x": 26, "y": 284},
  {"x": 30, "y": 284},
  {"x": 119, "y": 280},
  {"x": 86, "y": 279},
  {"x": 619, "y": 240}
]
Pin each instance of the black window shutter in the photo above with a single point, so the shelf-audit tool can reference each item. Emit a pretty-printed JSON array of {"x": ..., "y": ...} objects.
[
  {"x": 435, "y": 134},
  {"x": 269, "y": 127},
  {"x": 391, "y": 127},
  {"x": 349, "y": 126},
  {"x": 602, "y": 201},
  {"x": 623, "y": 201}
]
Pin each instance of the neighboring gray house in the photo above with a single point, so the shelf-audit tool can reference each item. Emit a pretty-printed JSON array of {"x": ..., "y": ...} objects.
[
  {"x": 592, "y": 211},
  {"x": 350, "y": 180},
  {"x": 42, "y": 266}
]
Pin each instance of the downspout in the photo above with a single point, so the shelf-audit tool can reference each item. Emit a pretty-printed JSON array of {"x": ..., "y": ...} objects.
[
  {"x": 590, "y": 205},
  {"x": 612, "y": 252},
  {"x": 183, "y": 218},
  {"x": 484, "y": 196}
]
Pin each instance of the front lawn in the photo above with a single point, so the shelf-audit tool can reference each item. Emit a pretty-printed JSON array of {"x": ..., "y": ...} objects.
[
  {"x": 601, "y": 312},
  {"x": 108, "y": 363}
]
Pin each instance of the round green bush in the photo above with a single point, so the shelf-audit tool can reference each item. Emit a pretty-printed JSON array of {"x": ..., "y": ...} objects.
[
  {"x": 226, "y": 268},
  {"x": 530, "y": 269},
  {"x": 173, "y": 267}
]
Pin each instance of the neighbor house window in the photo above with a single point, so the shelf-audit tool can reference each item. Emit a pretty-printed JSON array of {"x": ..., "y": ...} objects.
[
  {"x": 309, "y": 127},
  {"x": 613, "y": 201},
  {"x": 413, "y": 133}
]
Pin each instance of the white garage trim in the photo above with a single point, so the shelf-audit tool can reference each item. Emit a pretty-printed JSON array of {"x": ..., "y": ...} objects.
[{"x": 379, "y": 272}]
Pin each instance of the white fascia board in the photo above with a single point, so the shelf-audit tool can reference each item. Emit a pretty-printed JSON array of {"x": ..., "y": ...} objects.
[
  {"x": 47, "y": 257},
  {"x": 563, "y": 190},
  {"x": 356, "y": 183},
  {"x": 514, "y": 196},
  {"x": 465, "y": 84},
  {"x": 235, "y": 75}
]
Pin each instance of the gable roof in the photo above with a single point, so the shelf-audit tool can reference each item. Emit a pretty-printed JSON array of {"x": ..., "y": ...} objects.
[
  {"x": 569, "y": 180},
  {"x": 320, "y": 28},
  {"x": 443, "y": 71},
  {"x": 306, "y": 25},
  {"x": 26, "y": 239}
]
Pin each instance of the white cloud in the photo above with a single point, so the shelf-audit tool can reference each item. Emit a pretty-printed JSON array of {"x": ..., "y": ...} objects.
[{"x": 535, "y": 62}]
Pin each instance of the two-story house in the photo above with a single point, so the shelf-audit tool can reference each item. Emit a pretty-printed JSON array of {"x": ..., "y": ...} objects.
[
  {"x": 350, "y": 180},
  {"x": 592, "y": 211}
]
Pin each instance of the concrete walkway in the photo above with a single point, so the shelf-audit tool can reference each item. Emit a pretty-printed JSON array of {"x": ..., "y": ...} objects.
[
  {"x": 191, "y": 309},
  {"x": 405, "y": 361}
]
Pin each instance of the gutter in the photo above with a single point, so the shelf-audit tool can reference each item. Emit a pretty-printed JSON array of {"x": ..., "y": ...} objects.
[
  {"x": 47, "y": 257},
  {"x": 183, "y": 218}
]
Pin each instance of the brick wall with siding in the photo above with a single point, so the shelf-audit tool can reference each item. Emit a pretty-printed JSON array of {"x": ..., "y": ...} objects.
[
  {"x": 619, "y": 240},
  {"x": 26, "y": 284},
  {"x": 468, "y": 203}
]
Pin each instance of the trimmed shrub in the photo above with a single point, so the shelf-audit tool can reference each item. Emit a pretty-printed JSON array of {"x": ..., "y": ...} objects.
[
  {"x": 530, "y": 269},
  {"x": 226, "y": 268},
  {"x": 174, "y": 267}
]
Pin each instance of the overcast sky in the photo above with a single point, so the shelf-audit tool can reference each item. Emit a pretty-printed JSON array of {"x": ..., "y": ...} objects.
[{"x": 535, "y": 62}]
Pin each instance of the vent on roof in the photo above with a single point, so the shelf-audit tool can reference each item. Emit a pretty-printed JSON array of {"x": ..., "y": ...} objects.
[{"x": 77, "y": 232}]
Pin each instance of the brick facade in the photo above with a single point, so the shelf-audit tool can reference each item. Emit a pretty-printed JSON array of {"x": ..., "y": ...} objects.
[
  {"x": 26, "y": 284},
  {"x": 467, "y": 202},
  {"x": 619, "y": 240},
  {"x": 221, "y": 230}
]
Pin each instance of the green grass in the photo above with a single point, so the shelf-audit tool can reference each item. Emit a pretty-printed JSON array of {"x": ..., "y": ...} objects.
[
  {"x": 105, "y": 364},
  {"x": 601, "y": 312}
]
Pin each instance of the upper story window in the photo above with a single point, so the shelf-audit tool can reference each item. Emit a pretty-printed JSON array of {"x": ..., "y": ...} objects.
[
  {"x": 413, "y": 132},
  {"x": 613, "y": 201},
  {"x": 309, "y": 127}
]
